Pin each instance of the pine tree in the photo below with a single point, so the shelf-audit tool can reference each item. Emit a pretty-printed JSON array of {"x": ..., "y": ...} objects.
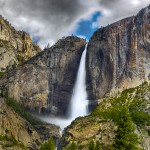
[
  {"x": 48, "y": 45},
  {"x": 73, "y": 146},
  {"x": 91, "y": 146},
  {"x": 97, "y": 147},
  {"x": 49, "y": 145},
  {"x": 125, "y": 138}
]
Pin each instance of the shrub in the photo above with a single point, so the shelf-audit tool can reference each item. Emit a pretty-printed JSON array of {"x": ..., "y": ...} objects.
[
  {"x": 20, "y": 59},
  {"x": 11, "y": 142},
  {"x": 148, "y": 132},
  {"x": 125, "y": 138},
  {"x": 3, "y": 43},
  {"x": 72, "y": 146},
  {"x": 141, "y": 118},
  {"x": 49, "y": 145},
  {"x": 97, "y": 146},
  {"x": 92, "y": 145},
  {"x": 2, "y": 74}
]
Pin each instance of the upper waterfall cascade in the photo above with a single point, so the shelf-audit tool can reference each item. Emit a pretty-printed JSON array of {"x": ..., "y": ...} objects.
[{"x": 79, "y": 103}]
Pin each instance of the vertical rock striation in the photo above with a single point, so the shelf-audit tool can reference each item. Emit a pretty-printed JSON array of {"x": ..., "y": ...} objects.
[
  {"x": 46, "y": 80},
  {"x": 15, "y": 46},
  {"x": 118, "y": 55}
]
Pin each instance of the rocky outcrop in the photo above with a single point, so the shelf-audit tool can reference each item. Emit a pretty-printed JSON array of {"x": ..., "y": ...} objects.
[
  {"x": 46, "y": 80},
  {"x": 119, "y": 120},
  {"x": 20, "y": 130},
  {"x": 16, "y": 128},
  {"x": 118, "y": 55},
  {"x": 87, "y": 129},
  {"x": 15, "y": 46}
]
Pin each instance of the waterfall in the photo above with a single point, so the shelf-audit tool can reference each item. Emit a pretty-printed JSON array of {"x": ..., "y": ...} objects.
[{"x": 79, "y": 103}]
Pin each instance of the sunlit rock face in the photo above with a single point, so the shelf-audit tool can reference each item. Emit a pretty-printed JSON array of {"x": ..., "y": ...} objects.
[
  {"x": 15, "y": 46},
  {"x": 12, "y": 125},
  {"x": 46, "y": 81},
  {"x": 118, "y": 55},
  {"x": 23, "y": 130}
]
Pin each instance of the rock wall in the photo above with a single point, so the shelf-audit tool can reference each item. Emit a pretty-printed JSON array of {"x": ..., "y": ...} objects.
[
  {"x": 83, "y": 130},
  {"x": 15, "y": 46},
  {"x": 46, "y": 80},
  {"x": 20, "y": 130},
  {"x": 13, "y": 126},
  {"x": 118, "y": 55}
]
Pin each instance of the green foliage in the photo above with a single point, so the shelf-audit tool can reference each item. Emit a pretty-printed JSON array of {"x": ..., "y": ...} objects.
[
  {"x": 3, "y": 43},
  {"x": 93, "y": 146},
  {"x": 126, "y": 109},
  {"x": 2, "y": 74},
  {"x": 149, "y": 132},
  {"x": 141, "y": 118},
  {"x": 10, "y": 142},
  {"x": 97, "y": 146},
  {"x": 49, "y": 145},
  {"x": 138, "y": 114},
  {"x": 72, "y": 146},
  {"x": 6, "y": 138},
  {"x": 20, "y": 59},
  {"x": 22, "y": 111},
  {"x": 125, "y": 138}
]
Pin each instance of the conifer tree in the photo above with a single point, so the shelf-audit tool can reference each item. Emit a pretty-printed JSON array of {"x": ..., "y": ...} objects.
[
  {"x": 49, "y": 145},
  {"x": 125, "y": 138},
  {"x": 92, "y": 145}
]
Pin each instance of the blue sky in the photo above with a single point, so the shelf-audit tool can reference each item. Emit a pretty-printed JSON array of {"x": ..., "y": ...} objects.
[{"x": 86, "y": 28}]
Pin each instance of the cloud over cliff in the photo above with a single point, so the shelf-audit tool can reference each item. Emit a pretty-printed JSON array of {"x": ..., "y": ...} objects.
[{"x": 49, "y": 20}]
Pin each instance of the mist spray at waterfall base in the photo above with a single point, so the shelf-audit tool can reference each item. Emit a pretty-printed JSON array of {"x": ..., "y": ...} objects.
[
  {"x": 79, "y": 104},
  {"x": 61, "y": 122}
]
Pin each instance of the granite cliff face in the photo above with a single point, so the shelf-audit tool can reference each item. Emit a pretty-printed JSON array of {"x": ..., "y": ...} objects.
[
  {"x": 46, "y": 80},
  {"x": 15, "y": 46},
  {"x": 118, "y": 55},
  {"x": 12, "y": 124},
  {"x": 20, "y": 130}
]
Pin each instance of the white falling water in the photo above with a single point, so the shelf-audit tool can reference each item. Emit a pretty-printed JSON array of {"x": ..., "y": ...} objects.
[{"x": 79, "y": 101}]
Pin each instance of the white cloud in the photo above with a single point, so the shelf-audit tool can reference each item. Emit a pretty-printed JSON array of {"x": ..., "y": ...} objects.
[
  {"x": 119, "y": 9},
  {"x": 95, "y": 25},
  {"x": 52, "y": 19},
  {"x": 83, "y": 37}
]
